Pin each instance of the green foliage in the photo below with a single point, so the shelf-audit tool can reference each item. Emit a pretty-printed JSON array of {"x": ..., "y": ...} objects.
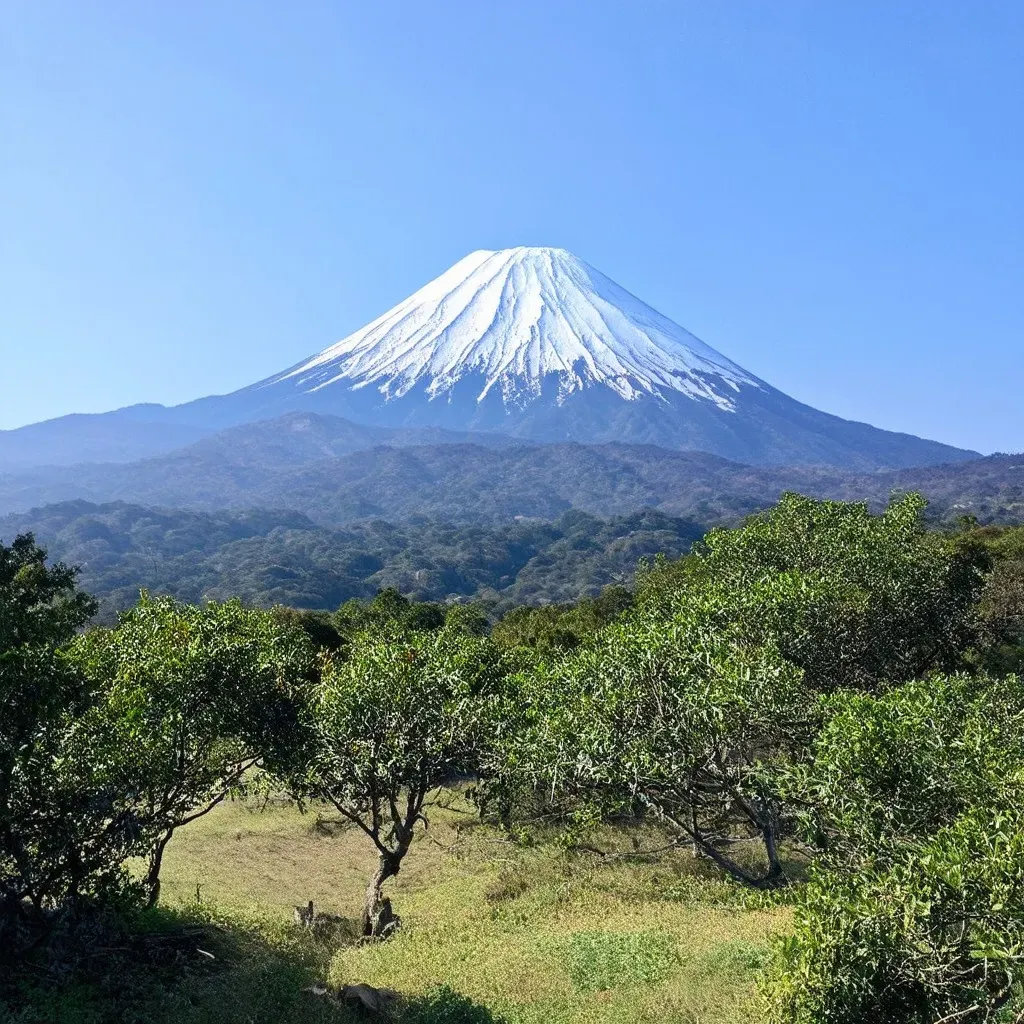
[
  {"x": 63, "y": 834},
  {"x": 916, "y": 910},
  {"x": 667, "y": 715},
  {"x": 553, "y": 629},
  {"x": 733, "y": 956},
  {"x": 188, "y": 697},
  {"x": 388, "y": 724},
  {"x": 789, "y": 678},
  {"x": 466, "y": 620},
  {"x": 320, "y": 627},
  {"x": 851, "y": 598},
  {"x": 282, "y": 558},
  {"x": 407, "y": 713},
  {"x": 1001, "y": 643},
  {"x": 893, "y": 769},
  {"x": 937, "y": 934},
  {"x": 390, "y": 612}
]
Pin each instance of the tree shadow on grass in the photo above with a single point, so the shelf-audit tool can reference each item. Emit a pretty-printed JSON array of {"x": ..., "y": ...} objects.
[
  {"x": 192, "y": 966},
  {"x": 199, "y": 967}
]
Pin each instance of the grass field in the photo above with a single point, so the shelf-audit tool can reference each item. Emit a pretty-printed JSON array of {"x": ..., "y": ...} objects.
[{"x": 518, "y": 932}]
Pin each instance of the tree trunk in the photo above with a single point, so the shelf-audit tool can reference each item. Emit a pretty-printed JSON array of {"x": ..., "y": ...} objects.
[
  {"x": 155, "y": 861},
  {"x": 379, "y": 920},
  {"x": 773, "y": 878}
]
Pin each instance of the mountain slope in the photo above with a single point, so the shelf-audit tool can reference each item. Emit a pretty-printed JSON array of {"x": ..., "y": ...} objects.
[
  {"x": 120, "y": 436},
  {"x": 267, "y": 557},
  {"x": 528, "y": 342},
  {"x": 513, "y": 318},
  {"x": 291, "y": 464},
  {"x": 536, "y": 343}
]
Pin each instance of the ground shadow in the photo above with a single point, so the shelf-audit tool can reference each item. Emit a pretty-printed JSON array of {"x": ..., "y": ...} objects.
[{"x": 191, "y": 967}]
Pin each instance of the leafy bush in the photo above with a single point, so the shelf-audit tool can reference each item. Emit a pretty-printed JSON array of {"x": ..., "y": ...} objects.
[
  {"x": 915, "y": 911},
  {"x": 890, "y": 770},
  {"x": 111, "y": 740},
  {"x": 64, "y": 832},
  {"x": 187, "y": 699},
  {"x": 851, "y": 598},
  {"x": 382, "y": 728},
  {"x": 936, "y": 935},
  {"x": 669, "y": 716}
]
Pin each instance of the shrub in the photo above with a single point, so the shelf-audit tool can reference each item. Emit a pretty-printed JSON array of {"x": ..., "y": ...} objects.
[
  {"x": 383, "y": 728},
  {"x": 64, "y": 832},
  {"x": 187, "y": 698},
  {"x": 915, "y": 912},
  {"x": 936, "y": 935},
  {"x": 851, "y": 598},
  {"x": 669, "y": 716}
]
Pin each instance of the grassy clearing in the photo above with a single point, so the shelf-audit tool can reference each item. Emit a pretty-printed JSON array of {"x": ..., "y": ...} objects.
[
  {"x": 524, "y": 934},
  {"x": 530, "y": 932}
]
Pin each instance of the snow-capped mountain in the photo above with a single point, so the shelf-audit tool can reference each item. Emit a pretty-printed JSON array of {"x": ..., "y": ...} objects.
[
  {"x": 536, "y": 343},
  {"x": 514, "y": 318},
  {"x": 529, "y": 342}
]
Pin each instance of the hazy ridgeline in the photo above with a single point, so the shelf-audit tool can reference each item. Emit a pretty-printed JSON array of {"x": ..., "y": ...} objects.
[{"x": 808, "y": 727}]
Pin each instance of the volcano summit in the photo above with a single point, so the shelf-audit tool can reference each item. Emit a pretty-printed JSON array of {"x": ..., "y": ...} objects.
[{"x": 537, "y": 344}]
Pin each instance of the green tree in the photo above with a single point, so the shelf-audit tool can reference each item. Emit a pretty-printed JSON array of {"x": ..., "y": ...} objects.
[
  {"x": 936, "y": 934},
  {"x": 890, "y": 768},
  {"x": 188, "y": 698},
  {"x": 915, "y": 912},
  {"x": 466, "y": 619},
  {"x": 850, "y": 597},
  {"x": 63, "y": 836},
  {"x": 389, "y": 611},
  {"x": 551, "y": 630},
  {"x": 672, "y": 716},
  {"x": 1001, "y": 646},
  {"x": 388, "y": 725},
  {"x": 319, "y": 626}
]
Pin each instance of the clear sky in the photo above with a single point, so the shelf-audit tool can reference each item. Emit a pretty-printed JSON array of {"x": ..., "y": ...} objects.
[{"x": 195, "y": 194}]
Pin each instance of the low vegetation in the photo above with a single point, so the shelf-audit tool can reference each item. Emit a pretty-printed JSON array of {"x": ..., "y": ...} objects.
[{"x": 780, "y": 780}]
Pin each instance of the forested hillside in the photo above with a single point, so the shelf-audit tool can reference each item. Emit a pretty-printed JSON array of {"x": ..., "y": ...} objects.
[
  {"x": 326, "y": 468},
  {"x": 284, "y": 558}
]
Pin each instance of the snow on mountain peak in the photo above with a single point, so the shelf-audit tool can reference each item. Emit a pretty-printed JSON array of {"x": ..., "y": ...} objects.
[{"x": 513, "y": 317}]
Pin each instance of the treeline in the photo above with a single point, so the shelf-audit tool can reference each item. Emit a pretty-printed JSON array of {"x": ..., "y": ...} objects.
[
  {"x": 268, "y": 558},
  {"x": 822, "y": 684}
]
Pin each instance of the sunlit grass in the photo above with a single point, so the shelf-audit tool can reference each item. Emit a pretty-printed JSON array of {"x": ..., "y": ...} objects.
[{"x": 518, "y": 929}]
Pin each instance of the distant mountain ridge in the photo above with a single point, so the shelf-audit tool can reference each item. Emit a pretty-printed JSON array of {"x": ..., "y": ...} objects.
[
  {"x": 335, "y": 473},
  {"x": 527, "y": 342}
]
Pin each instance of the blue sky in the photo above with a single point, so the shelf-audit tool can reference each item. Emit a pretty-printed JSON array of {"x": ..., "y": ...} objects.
[{"x": 194, "y": 195}]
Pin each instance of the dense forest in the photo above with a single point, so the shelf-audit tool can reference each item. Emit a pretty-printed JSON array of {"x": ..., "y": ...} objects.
[
  {"x": 269, "y": 558},
  {"x": 821, "y": 704}
]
